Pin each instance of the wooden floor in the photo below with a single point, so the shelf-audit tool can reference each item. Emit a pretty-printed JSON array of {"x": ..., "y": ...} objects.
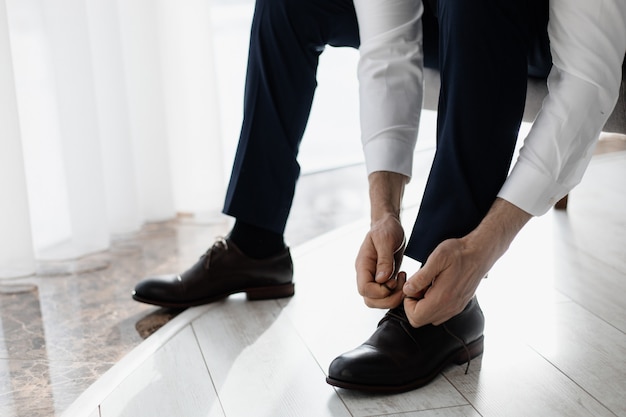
[{"x": 555, "y": 338}]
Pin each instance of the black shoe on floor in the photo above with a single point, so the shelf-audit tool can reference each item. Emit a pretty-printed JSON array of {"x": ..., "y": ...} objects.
[
  {"x": 399, "y": 357},
  {"x": 223, "y": 270}
]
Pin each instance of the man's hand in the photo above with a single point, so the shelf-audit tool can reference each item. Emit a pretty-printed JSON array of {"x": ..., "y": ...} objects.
[
  {"x": 448, "y": 280},
  {"x": 446, "y": 283},
  {"x": 378, "y": 263}
]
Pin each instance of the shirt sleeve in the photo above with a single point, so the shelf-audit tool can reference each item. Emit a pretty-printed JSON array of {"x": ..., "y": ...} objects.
[
  {"x": 390, "y": 72},
  {"x": 588, "y": 43}
]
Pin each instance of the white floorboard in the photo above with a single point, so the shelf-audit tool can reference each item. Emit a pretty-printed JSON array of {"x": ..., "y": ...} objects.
[
  {"x": 590, "y": 352},
  {"x": 172, "y": 382},
  {"x": 513, "y": 380},
  {"x": 463, "y": 411},
  {"x": 593, "y": 284},
  {"x": 259, "y": 364},
  {"x": 439, "y": 394},
  {"x": 595, "y": 222}
]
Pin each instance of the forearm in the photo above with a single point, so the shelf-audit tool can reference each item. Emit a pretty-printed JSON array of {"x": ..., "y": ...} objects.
[
  {"x": 497, "y": 230},
  {"x": 386, "y": 190}
]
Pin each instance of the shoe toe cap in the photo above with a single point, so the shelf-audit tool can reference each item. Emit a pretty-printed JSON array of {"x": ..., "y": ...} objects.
[
  {"x": 156, "y": 289},
  {"x": 364, "y": 365}
]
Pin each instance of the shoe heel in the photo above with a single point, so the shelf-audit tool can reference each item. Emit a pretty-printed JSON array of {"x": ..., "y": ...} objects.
[
  {"x": 275, "y": 291},
  {"x": 474, "y": 349}
]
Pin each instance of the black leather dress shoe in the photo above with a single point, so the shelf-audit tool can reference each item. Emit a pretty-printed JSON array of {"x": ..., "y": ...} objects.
[
  {"x": 399, "y": 357},
  {"x": 223, "y": 270}
]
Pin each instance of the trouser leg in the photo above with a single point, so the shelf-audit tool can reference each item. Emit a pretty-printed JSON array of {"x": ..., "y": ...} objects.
[
  {"x": 287, "y": 37},
  {"x": 483, "y": 47}
]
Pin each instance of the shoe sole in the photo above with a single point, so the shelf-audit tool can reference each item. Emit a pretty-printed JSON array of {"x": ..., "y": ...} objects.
[
  {"x": 252, "y": 294},
  {"x": 459, "y": 357}
]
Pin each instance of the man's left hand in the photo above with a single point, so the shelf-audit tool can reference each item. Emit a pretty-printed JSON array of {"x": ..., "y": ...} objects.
[
  {"x": 448, "y": 280},
  {"x": 445, "y": 284}
]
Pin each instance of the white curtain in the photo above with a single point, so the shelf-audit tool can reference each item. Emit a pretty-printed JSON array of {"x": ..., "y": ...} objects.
[{"x": 108, "y": 120}]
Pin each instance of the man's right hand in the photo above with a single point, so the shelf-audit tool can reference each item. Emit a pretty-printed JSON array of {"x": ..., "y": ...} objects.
[{"x": 378, "y": 262}]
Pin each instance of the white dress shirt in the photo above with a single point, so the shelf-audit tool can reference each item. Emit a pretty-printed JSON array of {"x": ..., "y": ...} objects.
[
  {"x": 588, "y": 43},
  {"x": 390, "y": 72}
]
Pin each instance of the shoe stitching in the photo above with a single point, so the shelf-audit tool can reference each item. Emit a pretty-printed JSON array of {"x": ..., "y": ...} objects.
[
  {"x": 220, "y": 245},
  {"x": 458, "y": 339}
]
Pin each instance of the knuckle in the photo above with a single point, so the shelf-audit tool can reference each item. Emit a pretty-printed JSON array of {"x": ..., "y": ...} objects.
[{"x": 459, "y": 308}]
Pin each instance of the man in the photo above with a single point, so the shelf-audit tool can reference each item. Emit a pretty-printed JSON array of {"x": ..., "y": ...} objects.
[{"x": 471, "y": 209}]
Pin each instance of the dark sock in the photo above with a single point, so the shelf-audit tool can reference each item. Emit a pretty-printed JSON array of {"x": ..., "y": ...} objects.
[{"x": 256, "y": 242}]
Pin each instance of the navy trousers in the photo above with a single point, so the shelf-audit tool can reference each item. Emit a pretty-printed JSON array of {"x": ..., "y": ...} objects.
[{"x": 481, "y": 48}]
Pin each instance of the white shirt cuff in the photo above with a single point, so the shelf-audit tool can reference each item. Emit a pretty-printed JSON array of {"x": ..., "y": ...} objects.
[
  {"x": 530, "y": 190},
  {"x": 388, "y": 154}
]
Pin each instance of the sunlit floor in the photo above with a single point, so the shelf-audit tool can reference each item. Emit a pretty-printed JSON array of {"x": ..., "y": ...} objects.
[{"x": 555, "y": 339}]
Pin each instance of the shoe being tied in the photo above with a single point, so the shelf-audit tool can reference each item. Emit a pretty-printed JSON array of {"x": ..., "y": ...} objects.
[
  {"x": 221, "y": 271},
  {"x": 399, "y": 357}
]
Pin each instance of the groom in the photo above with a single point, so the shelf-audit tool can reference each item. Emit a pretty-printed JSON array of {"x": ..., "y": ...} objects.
[{"x": 471, "y": 209}]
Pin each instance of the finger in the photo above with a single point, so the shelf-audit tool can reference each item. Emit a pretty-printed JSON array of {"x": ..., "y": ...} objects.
[
  {"x": 390, "y": 300},
  {"x": 390, "y": 288},
  {"x": 365, "y": 265},
  {"x": 417, "y": 295},
  {"x": 397, "y": 283},
  {"x": 376, "y": 291},
  {"x": 421, "y": 312},
  {"x": 388, "y": 265},
  {"x": 398, "y": 254},
  {"x": 367, "y": 287},
  {"x": 423, "y": 301},
  {"x": 384, "y": 268},
  {"x": 363, "y": 277},
  {"x": 384, "y": 295},
  {"x": 435, "y": 307},
  {"x": 414, "y": 312},
  {"x": 417, "y": 285},
  {"x": 426, "y": 275}
]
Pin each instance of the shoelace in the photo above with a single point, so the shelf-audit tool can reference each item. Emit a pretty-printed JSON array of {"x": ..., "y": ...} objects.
[
  {"x": 220, "y": 244},
  {"x": 399, "y": 315}
]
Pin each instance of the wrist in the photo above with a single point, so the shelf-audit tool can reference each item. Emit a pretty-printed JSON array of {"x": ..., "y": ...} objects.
[
  {"x": 386, "y": 190},
  {"x": 497, "y": 230}
]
